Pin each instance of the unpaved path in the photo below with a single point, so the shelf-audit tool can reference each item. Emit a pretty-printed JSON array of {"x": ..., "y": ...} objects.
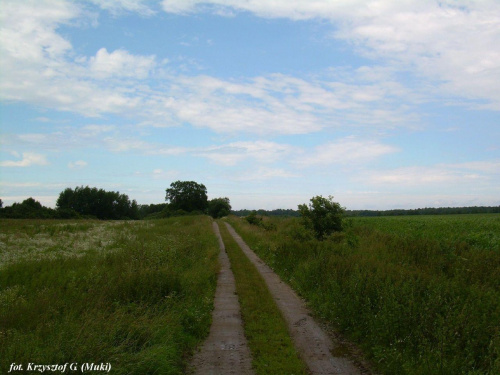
[
  {"x": 225, "y": 351},
  {"x": 312, "y": 343}
]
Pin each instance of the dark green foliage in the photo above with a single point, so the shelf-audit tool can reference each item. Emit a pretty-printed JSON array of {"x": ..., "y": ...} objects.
[
  {"x": 253, "y": 219},
  {"x": 263, "y": 222},
  {"x": 427, "y": 211},
  {"x": 32, "y": 209},
  {"x": 418, "y": 211},
  {"x": 104, "y": 205},
  {"x": 219, "y": 207},
  {"x": 151, "y": 210},
  {"x": 187, "y": 195},
  {"x": 323, "y": 216}
]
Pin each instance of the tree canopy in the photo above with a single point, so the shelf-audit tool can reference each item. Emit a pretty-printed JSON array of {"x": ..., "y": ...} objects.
[
  {"x": 188, "y": 196},
  {"x": 323, "y": 216},
  {"x": 97, "y": 202},
  {"x": 28, "y": 209},
  {"x": 219, "y": 207}
]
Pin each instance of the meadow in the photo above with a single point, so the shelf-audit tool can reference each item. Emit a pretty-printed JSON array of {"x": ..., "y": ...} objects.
[
  {"x": 137, "y": 295},
  {"x": 419, "y": 294}
]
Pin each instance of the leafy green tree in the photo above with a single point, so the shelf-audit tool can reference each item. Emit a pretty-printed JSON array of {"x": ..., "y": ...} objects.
[
  {"x": 188, "y": 196},
  {"x": 102, "y": 204},
  {"x": 28, "y": 209},
  {"x": 323, "y": 216},
  {"x": 219, "y": 207}
]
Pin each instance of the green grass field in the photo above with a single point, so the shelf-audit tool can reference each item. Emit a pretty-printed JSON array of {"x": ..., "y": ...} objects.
[
  {"x": 137, "y": 295},
  {"x": 419, "y": 294}
]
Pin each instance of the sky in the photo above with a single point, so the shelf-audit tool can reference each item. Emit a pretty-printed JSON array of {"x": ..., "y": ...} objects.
[{"x": 380, "y": 103}]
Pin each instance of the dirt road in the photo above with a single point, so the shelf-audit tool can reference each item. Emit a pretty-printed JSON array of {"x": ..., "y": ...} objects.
[
  {"x": 314, "y": 346},
  {"x": 225, "y": 351}
]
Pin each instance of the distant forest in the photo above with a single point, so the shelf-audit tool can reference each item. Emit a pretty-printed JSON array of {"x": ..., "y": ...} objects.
[{"x": 396, "y": 212}]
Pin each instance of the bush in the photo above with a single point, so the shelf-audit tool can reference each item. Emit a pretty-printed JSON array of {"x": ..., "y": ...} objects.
[
  {"x": 323, "y": 216},
  {"x": 219, "y": 207},
  {"x": 253, "y": 218}
]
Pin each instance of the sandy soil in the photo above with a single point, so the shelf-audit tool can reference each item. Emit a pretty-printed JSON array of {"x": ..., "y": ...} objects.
[
  {"x": 225, "y": 351},
  {"x": 319, "y": 352}
]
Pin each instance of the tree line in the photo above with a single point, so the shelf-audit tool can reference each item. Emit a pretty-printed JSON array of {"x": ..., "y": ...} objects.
[
  {"x": 183, "y": 198},
  {"x": 428, "y": 211},
  {"x": 395, "y": 212},
  {"x": 81, "y": 202}
]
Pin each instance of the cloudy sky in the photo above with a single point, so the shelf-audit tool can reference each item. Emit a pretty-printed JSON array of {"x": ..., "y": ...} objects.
[{"x": 381, "y": 103}]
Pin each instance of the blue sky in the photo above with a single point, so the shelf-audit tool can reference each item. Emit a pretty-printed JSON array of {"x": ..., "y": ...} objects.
[{"x": 382, "y": 104}]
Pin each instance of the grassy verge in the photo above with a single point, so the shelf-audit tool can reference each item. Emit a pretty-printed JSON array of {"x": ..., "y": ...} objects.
[
  {"x": 271, "y": 346},
  {"x": 137, "y": 295},
  {"x": 421, "y": 295}
]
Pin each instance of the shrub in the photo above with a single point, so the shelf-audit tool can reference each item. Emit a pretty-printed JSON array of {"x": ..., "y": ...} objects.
[
  {"x": 323, "y": 216},
  {"x": 219, "y": 207},
  {"x": 253, "y": 218}
]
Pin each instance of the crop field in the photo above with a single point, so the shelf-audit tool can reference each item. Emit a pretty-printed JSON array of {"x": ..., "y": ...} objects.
[
  {"x": 137, "y": 295},
  {"x": 418, "y": 294}
]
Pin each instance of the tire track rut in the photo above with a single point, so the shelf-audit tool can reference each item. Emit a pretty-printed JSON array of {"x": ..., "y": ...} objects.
[
  {"x": 313, "y": 344},
  {"x": 225, "y": 351}
]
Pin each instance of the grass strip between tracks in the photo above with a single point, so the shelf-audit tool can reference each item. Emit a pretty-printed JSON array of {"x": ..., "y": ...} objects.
[{"x": 266, "y": 331}]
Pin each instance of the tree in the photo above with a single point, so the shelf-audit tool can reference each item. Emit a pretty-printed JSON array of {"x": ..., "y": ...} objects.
[
  {"x": 97, "y": 202},
  {"x": 187, "y": 195},
  {"x": 323, "y": 216},
  {"x": 28, "y": 209},
  {"x": 219, "y": 207}
]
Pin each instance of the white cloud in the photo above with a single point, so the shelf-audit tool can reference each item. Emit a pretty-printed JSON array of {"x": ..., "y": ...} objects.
[
  {"x": 119, "y": 6},
  {"x": 280, "y": 104},
  {"x": 95, "y": 130},
  {"x": 469, "y": 174},
  {"x": 160, "y": 174},
  {"x": 117, "y": 82},
  {"x": 28, "y": 159},
  {"x": 264, "y": 173},
  {"x": 176, "y": 6},
  {"x": 77, "y": 164},
  {"x": 36, "y": 65},
  {"x": 345, "y": 151},
  {"x": 18, "y": 184},
  {"x": 451, "y": 42},
  {"x": 488, "y": 167},
  {"x": 35, "y": 38},
  {"x": 235, "y": 152},
  {"x": 120, "y": 63}
]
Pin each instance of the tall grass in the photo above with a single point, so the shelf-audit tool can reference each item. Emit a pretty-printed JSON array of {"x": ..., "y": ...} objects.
[
  {"x": 421, "y": 295},
  {"x": 140, "y": 300}
]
